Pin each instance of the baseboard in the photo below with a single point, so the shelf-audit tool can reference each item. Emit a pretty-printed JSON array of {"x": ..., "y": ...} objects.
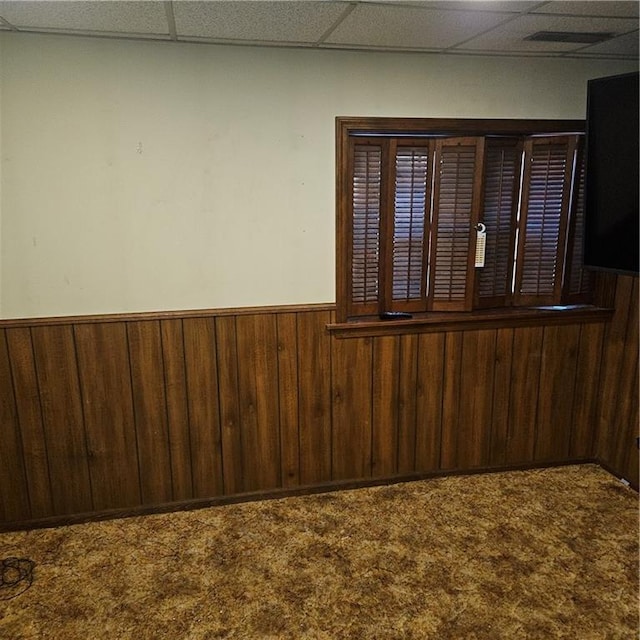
[
  {"x": 632, "y": 483},
  {"x": 324, "y": 487}
]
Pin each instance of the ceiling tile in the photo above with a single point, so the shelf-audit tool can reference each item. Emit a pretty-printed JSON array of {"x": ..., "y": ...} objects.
[
  {"x": 622, "y": 45},
  {"x": 257, "y": 21},
  {"x": 511, "y": 36},
  {"x": 475, "y": 5},
  {"x": 145, "y": 17},
  {"x": 375, "y": 25},
  {"x": 619, "y": 9}
]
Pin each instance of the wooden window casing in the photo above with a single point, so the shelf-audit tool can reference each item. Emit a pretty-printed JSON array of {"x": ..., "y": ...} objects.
[{"x": 411, "y": 192}]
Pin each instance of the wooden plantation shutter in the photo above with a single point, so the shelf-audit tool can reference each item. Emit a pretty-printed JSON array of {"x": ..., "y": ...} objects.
[
  {"x": 578, "y": 281},
  {"x": 455, "y": 214},
  {"x": 409, "y": 205},
  {"x": 409, "y": 232},
  {"x": 366, "y": 198},
  {"x": 546, "y": 194},
  {"x": 501, "y": 186}
]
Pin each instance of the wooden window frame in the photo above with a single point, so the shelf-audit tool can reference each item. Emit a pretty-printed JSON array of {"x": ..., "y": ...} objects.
[{"x": 348, "y": 128}]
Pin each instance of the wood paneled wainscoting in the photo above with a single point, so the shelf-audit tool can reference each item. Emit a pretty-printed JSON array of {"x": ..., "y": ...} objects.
[{"x": 133, "y": 412}]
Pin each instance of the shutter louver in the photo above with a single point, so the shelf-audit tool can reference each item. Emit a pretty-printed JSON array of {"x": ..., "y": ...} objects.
[
  {"x": 543, "y": 225},
  {"x": 453, "y": 219},
  {"x": 366, "y": 196},
  {"x": 410, "y": 207},
  {"x": 501, "y": 183}
]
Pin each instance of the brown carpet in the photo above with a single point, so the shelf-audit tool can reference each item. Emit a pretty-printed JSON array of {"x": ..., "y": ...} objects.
[{"x": 541, "y": 554}]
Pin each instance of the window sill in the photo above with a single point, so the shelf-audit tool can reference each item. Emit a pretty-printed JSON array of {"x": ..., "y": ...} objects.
[{"x": 471, "y": 320}]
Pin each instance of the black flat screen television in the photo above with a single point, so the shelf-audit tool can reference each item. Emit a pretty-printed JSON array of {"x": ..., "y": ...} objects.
[{"x": 611, "y": 205}]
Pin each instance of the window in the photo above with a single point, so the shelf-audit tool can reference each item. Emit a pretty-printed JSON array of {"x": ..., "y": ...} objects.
[{"x": 417, "y": 198}]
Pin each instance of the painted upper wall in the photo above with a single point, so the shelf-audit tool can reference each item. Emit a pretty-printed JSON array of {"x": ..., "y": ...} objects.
[{"x": 141, "y": 176}]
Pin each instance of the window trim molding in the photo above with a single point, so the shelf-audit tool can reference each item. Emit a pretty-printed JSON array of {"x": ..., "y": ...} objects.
[
  {"x": 347, "y": 127},
  {"x": 440, "y": 321}
]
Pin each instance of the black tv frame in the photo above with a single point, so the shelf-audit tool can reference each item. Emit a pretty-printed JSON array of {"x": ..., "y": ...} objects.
[{"x": 612, "y": 237}]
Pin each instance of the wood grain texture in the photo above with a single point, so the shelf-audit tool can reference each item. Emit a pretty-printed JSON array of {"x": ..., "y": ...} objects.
[
  {"x": 57, "y": 373},
  {"x": 135, "y": 412},
  {"x": 204, "y": 418},
  {"x": 429, "y": 399},
  {"x": 625, "y": 416},
  {"x": 451, "y": 399},
  {"x": 314, "y": 397},
  {"x": 555, "y": 396},
  {"x": 24, "y": 386},
  {"x": 407, "y": 402},
  {"x": 150, "y": 408},
  {"x": 523, "y": 399},
  {"x": 231, "y": 435},
  {"x": 258, "y": 401},
  {"x": 103, "y": 368},
  {"x": 14, "y": 494},
  {"x": 384, "y": 453},
  {"x": 476, "y": 399},
  {"x": 351, "y": 395},
  {"x": 585, "y": 395},
  {"x": 503, "y": 359},
  {"x": 613, "y": 354},
  {"x": 177, "y": 408},
  {"x": 288, "y": 398}
]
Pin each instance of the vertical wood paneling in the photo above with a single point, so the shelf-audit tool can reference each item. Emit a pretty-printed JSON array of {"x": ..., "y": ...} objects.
[
  {"x": 612, "y": 356},
  {"x": 288, "y": 396},
  {"x": 105, "y": 383},
  {"x": 351, "y": 376},
  {"x": 407, "y": 389},
  {"x": 14, "y": 494},
  {"x": 177, "y": 408},
  {"x": 585, "y": 396},
  {"x": 476, "y": 399},
  {"x": 523, "y": 398},
  {"x": 204, "y": 419},
  {"x": 451, "y": 400},
  {"x": 258, "y": 399},
  {"x": 555, "y": 396},
  {"x": 314, "y": 397},
  {"x": 629, "y": 463},
  {"x": 225, "y": 404},
  {"x": 150, "y": 408},
  {"x": 229, "y": 407},
  {"x": 57, "y": 373},
  {"x": 503, "y": 358},
  {"x": 28, "y": 405},
  {"x": 429, "y": 397},
  {"x": 386, "y": 356},
  {"x": 625, "y": 418}
]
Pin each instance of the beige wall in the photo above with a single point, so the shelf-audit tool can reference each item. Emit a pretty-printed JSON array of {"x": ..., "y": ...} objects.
[{"x": 149, "y": 176}]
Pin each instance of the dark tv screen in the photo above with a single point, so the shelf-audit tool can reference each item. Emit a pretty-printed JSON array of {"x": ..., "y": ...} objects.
[{"x": 611, "y": 205}]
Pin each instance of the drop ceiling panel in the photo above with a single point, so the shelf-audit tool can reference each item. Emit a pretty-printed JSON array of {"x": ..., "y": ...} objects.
[
  {"x": 622, "y": 9},
  {"x": 472, "y": 5},
  {"x": 117, "y": 16},
  {"x": 375, "y": 25},
  {"x": 303, "y": 22},
  {"x": 511, "y": 36},
  {"x": 472, "y": 27},
  {"x": 623, "y": 45}
]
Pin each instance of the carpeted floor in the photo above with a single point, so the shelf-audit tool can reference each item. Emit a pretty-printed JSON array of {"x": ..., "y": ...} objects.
[{"x": 541, "y": 554}]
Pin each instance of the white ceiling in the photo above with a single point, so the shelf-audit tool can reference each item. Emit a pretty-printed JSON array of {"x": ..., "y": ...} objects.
[{"x": 462, "y": 27}]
